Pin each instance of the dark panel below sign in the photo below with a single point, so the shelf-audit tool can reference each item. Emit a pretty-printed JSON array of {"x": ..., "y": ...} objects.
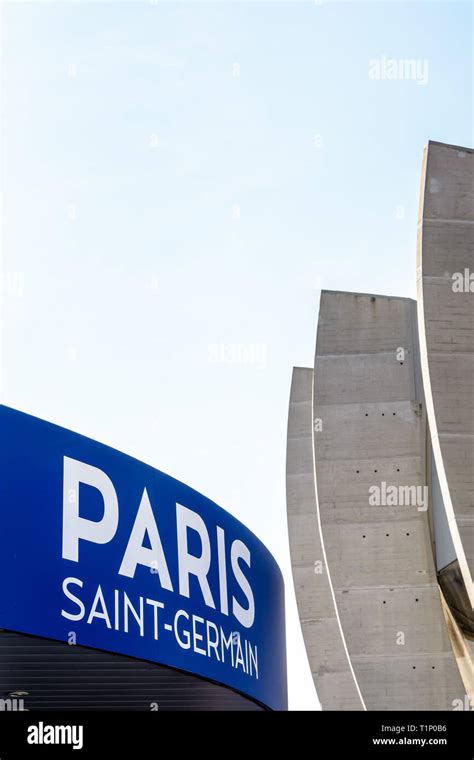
[{"x": 56, "y": 676}]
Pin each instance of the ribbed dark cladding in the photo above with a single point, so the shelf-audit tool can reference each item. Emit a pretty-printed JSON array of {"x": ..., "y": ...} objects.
[{"x": 57, "y": 676}]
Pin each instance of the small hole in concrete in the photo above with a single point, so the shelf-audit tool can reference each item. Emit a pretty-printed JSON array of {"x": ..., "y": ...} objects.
[
  {"x": 366, "y": 414},
  {"x": 387, "y": 534},
  {"x": 417, "y": 600},
  {"x": 357, "y": 471},
  {"x": 401, "y": 362},
  {"x": 398, "y": 469},
  {"x": 383, "y": 414},
  {"x": 384, "y": 602},
  {"x": 394, "y": 413},
  {"x": 375, "y": 470},
  {"x": 432, "y": 667},
  {"x": 414, "y": 667},
  {"x": 363, "y": 536},
  {"x": 408, "y": 534}
]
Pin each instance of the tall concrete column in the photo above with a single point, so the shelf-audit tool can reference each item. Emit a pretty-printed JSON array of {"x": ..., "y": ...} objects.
[{"x": 376, "y": 598}]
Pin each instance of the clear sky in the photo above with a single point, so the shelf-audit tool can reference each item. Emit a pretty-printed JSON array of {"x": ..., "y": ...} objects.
[{"x": 179, "y": 182}]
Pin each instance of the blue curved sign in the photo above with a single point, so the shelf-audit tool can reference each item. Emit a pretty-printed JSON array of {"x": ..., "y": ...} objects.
[{"x": 100, "y": 550}]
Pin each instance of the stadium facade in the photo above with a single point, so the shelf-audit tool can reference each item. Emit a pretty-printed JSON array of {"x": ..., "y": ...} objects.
[{"x": 380, "y": 474}]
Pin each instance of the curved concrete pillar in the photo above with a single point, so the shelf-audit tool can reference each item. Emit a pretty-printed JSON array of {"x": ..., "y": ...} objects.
[
  {"x": 367, "y": 393},
  {"x": 324, "y": 640},
  {"x": 445, "y": 281}
]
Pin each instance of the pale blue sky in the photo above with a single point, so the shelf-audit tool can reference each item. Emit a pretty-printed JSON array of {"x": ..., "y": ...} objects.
[{"x": 181, "y": 175}]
